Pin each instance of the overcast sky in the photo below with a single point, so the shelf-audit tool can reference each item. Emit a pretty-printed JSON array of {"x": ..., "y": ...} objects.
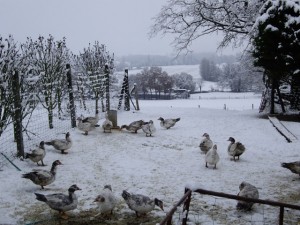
[{"x": 122, "y": 25}]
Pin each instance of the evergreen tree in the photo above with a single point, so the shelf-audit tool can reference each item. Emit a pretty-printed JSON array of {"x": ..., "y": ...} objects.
[{"x": 276, "y": 43}]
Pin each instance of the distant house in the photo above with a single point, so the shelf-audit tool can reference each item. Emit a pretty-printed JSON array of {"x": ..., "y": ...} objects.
[
  {"x": 181, "y": 93},
  {"x": 173, "y": 94}
]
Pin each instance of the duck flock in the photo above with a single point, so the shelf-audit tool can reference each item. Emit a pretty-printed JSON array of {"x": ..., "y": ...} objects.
[{"x": 106, "y": 198}]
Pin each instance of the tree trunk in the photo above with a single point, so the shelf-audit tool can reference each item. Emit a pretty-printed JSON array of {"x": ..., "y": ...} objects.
[
  {"x": 272, "y": 109},
  {"x": 97, "y": 102},
  {"x": 59, "y": 100},
  {"x": 50, "y": 115},
  {"x": 280, "y": 98},
  {"x": 295, "y": 91}
]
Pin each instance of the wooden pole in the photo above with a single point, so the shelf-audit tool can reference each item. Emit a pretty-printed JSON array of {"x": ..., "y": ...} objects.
[
  {"x": 71, "y": 97},
  {"x": 17, "y": 114},
  {"x": 136, "y": 97},
  {"x": 106, "y": 73}
]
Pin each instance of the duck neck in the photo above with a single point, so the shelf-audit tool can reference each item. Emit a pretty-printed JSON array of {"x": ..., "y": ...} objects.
[
  {"x": 68, "y": 139},
  {"x": 53, "y": 169},
  {"x": 72, "y": 195}
]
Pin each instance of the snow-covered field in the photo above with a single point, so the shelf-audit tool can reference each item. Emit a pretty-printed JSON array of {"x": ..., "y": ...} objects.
[{"x": 161, "y": 166}]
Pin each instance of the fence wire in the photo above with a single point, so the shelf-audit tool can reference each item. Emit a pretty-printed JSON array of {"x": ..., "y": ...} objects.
[
  {"x": 211, "y": 210},
  {"x": 37, "y": 128}
]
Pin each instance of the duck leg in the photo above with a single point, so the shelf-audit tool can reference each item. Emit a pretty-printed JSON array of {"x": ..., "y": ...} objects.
[
  {"x": 206, "y": 165},
  {"x": 63, "y": 215},
  {"x": 43, "y": 163}
]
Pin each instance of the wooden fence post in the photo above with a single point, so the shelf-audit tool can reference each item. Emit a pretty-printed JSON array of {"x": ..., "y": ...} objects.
[
  {"x": 106, "y": 73},
  {"x": 17, "y": 114},
  {"x": 71, "y": 96},
  {"x": 126, "y": 92},
  {"x": 136, "y": 95}
]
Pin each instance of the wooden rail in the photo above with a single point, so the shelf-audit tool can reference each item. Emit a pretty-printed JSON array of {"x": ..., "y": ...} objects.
[{"x": 187, "y": 197}]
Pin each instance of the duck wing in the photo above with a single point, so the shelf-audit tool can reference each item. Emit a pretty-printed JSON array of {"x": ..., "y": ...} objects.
[
  {"x": 37, "y": 152},
  {"x": 231, "y": 149},
  {"x": 61, "y": 144},
  {"x": 42, "y": 174},
  {"x": 58, "y": 201}
]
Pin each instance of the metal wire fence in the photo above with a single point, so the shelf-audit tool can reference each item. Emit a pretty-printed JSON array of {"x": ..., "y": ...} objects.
[
  {"x": 37, "y": 128},
  {"x": 202, "y": 209}
]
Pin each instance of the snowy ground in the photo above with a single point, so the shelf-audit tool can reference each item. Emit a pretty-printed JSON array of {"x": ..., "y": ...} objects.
[{"x": 161, "y": 166}]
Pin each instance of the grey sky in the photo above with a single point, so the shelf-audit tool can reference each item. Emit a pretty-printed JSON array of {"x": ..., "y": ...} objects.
[{"x": 122, "y": 25}]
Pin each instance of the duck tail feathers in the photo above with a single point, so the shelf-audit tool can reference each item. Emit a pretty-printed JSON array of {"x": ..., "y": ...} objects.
[
  {"x": 48, "y": 142},
  {"x": 40, "y": 197},
  {"x": 177, "y": 119},
  {"x": 285, "y": 165},
  {"x": 27, "y": 155},
  {"x": 27, "y": 176},
  {"x": 125, "y": 194}
]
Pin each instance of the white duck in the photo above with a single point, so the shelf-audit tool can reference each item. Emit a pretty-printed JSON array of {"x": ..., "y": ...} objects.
[
  {"x": 37, "y": 154},
  {"x": 168, "y": 123},
  {"x": 61, "y": 202},
  {"x": 106, "y": 201},
  {"x": 92, "y": 119},
  {"x": 84, "y": 126},
  {"x": 134, "y": 126},
  {"x": 141, "y": 204},
  {"x": 235, "y": 149},
  {"x": 149, "y": 128},
  {"x": 61, "y": 144},
  {"x": 107, "y": 125},
  {"x": 212, "y": 157},
  {"x": 294, "y": 167},
  {"x": 249, "y": 191},
  {"x": 43, "y": 177},
  {"x": 206, "y": 143}
]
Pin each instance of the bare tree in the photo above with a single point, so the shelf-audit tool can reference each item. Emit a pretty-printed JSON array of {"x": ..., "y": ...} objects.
[
  {"x": 191, "y": 19},
  {"x": 8, "y": 54},
  {"x": 91, "y": 66},
  {"x": 50, "y": 58}
]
